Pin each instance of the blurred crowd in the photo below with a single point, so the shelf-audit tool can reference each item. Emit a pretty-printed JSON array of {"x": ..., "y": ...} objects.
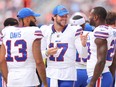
[{"x": 9, "y": 8}]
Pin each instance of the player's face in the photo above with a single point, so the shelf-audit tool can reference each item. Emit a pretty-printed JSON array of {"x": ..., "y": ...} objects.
[
  {"x": 61, "y": 20},
  {"x": 32, "y": 21},
  {"x": 91, "y": 18},
  {"x": 28, "y": 21}
]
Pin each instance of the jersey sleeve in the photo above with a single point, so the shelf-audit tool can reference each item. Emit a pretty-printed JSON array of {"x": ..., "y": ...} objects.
[
  {"x": 43, "y": 29},
  {"x": 101, "y": 32},
  {"x": 78, "y": 31},
  {"x": 43, "y": 47},
  {"x": 43, "y": 41},
  {"x": 38, "y": 33}
]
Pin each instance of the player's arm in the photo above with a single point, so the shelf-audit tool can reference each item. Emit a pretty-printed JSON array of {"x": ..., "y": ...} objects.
[
  {"x": 36, "y": 48},
  {"x": 49, "y": 51},
  {"x": 101, "y": 60},
  {"x": 3, "y": 64},
  {"x": 113, "y": 66},
  {"x": 81, "y": 47}
]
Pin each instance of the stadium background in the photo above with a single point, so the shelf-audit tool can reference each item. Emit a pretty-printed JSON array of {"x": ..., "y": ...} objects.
[{"x": 9, "y": 8}]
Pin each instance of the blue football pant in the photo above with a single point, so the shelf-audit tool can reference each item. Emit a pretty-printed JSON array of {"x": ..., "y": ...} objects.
[
  {"x": 105, "y": 80},
  {"x": 113, "y": 85},
  {"x": 62, "y": 83},
  {"x": 81, "y": 78}
]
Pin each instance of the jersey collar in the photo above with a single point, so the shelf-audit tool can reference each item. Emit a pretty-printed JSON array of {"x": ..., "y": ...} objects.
[{"x": 53, "y": 30}]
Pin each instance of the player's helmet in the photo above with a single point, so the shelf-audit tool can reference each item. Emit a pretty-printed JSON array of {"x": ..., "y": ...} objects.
[{"x": 78, "y": 18}]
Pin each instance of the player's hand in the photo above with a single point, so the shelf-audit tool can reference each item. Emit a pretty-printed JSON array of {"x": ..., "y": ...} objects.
[
  {"x": 46, "y": 85},
  {"x": 84, "y": 39},
  {"x": 52, "y": 51},
  {"x": 90, "y": 85}
]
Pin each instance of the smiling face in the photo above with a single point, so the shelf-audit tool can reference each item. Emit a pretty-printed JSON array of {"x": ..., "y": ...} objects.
[{"x": 61, "y": 20}]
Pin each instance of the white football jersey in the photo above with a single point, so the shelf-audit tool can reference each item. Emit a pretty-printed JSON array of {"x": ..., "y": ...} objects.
[
  {"x": 67, "y": 41},
  {"x": 18, "y": 44},
  {"x": 102, "y": 32},
  {"x": 81, "y": 62}
]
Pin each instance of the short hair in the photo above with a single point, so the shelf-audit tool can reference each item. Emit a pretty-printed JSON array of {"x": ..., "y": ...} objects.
[
  {"x": 111, "y": 18},
  {"x": 10, "y": 22},
  {"x": 101, "y": 12}
]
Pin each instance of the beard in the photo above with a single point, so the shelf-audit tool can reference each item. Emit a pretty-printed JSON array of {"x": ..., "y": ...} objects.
[
  {"x": 92, "y": 23},
  {"x": 61, "y": 23},
  {"x": 32, "y": 23}
]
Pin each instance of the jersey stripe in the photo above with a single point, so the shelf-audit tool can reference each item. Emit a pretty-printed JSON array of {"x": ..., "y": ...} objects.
[
  {"x": 38, "y": 33},
  {"x": 102, "y": 35},
  {"x": 78, "y": 32},
  {"x": 98, "y": 83}
]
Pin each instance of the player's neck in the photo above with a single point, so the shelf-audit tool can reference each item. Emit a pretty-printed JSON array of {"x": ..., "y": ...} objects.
[
  {"x": 58, "y": 28},
  {"x": 100, "y": 23}
]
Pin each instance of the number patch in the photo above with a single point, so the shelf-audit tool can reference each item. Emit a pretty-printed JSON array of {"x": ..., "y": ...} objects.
[
  {"x": 21, "y": 50},
  {"x": 111, "y": 51},
  {"x": 60, "y": 58}
]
